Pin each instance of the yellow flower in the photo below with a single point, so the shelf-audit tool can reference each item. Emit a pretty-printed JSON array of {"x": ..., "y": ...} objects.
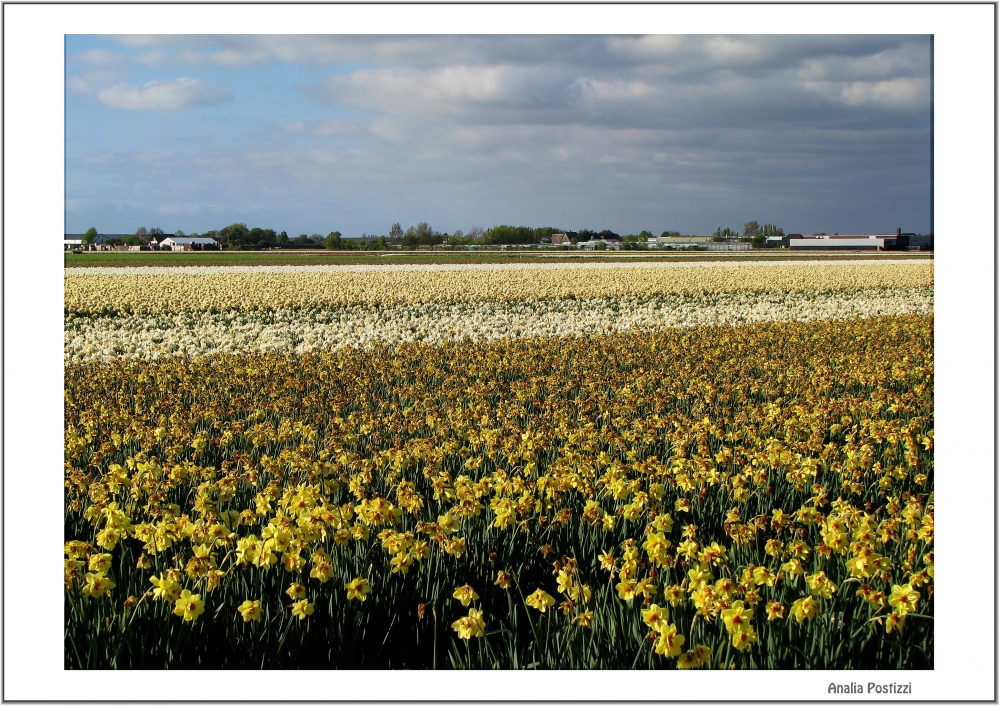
[
  {"x": 357, "y": 589},
  {"x": 165, "y": 588},
  {"x": 564, "y": 581},
  {"x": 323, "y": 571},
  {"x": 896, "y": 622},
  {"x": 737, "y": 618},
  {"x": 903, "y": 599},
  {"x": 698, "y": 577},
  {"x": 742, "y": 639},
  {"x": 97, "y": 585},
  {"x": 466, "y": 595},
  {"x": 504, "y": 580},
  {"x": 99, "y": 563},
  {"x": 775, "y": 611},
  {"x": 692, "y": 659},
  {"x": 674, "y": 595},
  {"x": 302, "y": 609},
  {"x": 540, "y": 600},
  {"x": 805, "y": 609},
  {"x": 250, "y": 610},
  {"x": 471, "y": 625},
  {"x": 655, "y": 617},
  {"x": 626, "y": 589},
  {"x": 296, "y": 591},
  {"x": 189, "y": 605},
  {"x": 669, "y": 643},
  {"x": 820, "y": 585}
]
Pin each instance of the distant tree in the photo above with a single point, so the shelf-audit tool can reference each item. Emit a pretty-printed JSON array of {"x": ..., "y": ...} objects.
[
  {"x": 510, "y": 235},
  {"x": 585, "y": 235},
  {"x": 545, "y": 233},
  {"x": 332, "y": 241},
  {"x": 282, "y": 239},
  {"x": 645, "y": 235},
  {"x": 670, "y": 234},
  {"x": 236, "y": 235},
  {"x": 133, "y": 240},
  {"x": 769, "y": 230},
  {"x": 475, "y": 233},
  {"x": 302, "y": 239},
  {"x": 179, "y": 234},
  {"x": 759, "y": 240},
  {"x": 609, "y": 235},
  {"x": 750, "y": 229},
  {"x": 396, "y": 232},
  {"x": 155, "y": 231},
  {"x": 601, "y": 246},
  {"x": 89, "y": 236},
  {"x": 141, "y": 231}
]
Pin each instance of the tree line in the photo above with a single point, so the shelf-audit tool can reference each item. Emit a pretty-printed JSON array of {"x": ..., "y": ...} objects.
[{"x": 238, "y": 236}]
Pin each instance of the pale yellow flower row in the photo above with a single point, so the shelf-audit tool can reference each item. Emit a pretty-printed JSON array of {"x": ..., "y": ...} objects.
[
  {"x": 194, "y": 333},
  {"x": 267, "y": 290}
]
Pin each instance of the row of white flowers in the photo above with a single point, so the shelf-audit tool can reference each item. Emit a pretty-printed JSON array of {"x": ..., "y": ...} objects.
[
  {"x": 336, "y": 288},
  {"x": 192, "y": 333},
  {"x": 472, "y": 267}
]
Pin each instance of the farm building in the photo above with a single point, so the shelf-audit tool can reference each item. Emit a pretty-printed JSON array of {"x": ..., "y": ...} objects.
[
  {"x": 678, "y": 241},
  {"x": 179, "y": 244},
  {"x": 729, "y": 245},
  {"x": 838, "y": 241}
]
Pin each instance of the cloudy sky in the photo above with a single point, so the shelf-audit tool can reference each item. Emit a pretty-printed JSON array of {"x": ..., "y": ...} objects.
[{"x": 308, "y": 134}]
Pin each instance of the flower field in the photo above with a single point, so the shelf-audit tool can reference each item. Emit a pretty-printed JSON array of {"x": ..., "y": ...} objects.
[{"x": 530, "y": 466}]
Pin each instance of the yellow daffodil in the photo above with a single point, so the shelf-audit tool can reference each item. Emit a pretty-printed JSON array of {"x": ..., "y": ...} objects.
[
  {"x": 465, "y": 594},
  {"x": 540, "y": 600},
  {"x": 302, "y": 609},
  {"x": 805, "y": 609},
  {"x": 189, "y": 605},
  {"x": 357, "y": 589},
  {"x": 471, "y": 625},
  {"x": 250, "y": 610},
  {"x": 904, "y": 599}
]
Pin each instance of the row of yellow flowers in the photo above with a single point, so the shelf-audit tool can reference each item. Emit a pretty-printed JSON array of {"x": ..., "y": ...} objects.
[
  {"x": 340, "y": 287},
  {"x": 754, "y": 477}
]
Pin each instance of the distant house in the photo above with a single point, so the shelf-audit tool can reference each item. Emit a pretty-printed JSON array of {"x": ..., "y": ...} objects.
[
  {"x": 593, "y": 243},
  {"x": 843, "y": 242},
  {"x": 562, "y": 238},
  {"x": 729, "y": 245},
  {"x": 178, "y": 244},
  {"x": 677, "y": 241},
  {"x": 72, "y": 243}
]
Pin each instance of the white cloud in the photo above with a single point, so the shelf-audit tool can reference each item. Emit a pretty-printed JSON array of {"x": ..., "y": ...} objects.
[
  {"x": 97, "y": 57},
  {"x": 92, "y": 80},
  {"x": 176, "y": 94},
  {"x": 649, "y": 47},
  {"x": 897, "y": 93}
]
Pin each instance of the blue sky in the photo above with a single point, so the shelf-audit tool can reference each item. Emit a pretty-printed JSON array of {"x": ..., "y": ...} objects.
[{"x": 309, "y": 134}]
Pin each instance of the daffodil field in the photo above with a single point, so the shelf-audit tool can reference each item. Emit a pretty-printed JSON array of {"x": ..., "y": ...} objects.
[{"x": 637, "y": 465}]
